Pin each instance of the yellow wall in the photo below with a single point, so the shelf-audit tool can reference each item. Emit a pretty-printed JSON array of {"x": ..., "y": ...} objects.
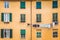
[
  {"x": 16, "y": 25},
  {"x": 46, "y": 13}
]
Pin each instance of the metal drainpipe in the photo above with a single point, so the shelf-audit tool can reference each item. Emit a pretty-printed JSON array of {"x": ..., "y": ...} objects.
[{"x": 31, "y": 18}]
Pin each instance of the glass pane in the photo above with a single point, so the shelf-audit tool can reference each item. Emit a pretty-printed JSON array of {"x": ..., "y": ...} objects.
[
  {"x": 55, "y": 17},
  {"x": 38, "y": 5},
  {"x": 55, "y": 4},
  {"x": 22, "y": 4},
  {"x": 22, "y": 17},
  {"x": 38, "y": 18},
  {"x": 38, "y": 34},
  {"x": 6, "y": 4}
]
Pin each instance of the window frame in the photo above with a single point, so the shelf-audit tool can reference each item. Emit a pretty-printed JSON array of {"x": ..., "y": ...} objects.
[
  {"x": 22, "y": 4},
  {"x": 55, "y": 34},
  {"x": 55, "y": 18},
  {"x": 22, "y": 17},
  {"x": 55, "y": 4},
  {"x": 38, "y": 34},
  {"x": 37, "y": 17},
  {"x": 37, "y": 5},
  {"x": 6, "y": 32},
  {"x": 23, "y": 35},
  {"x": 6, "y": 4},
  {"x": 6, "y": 19}
]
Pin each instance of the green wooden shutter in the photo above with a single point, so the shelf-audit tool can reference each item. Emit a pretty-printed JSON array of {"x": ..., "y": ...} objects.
[
  {"x": 23, "y": 32},
  {"x": 22, "y": 4},
  {"x": 2, "y": 33},
  {"x": 10, "y": 17},
  {"x": 2, "y": 17},
  {"x": 10, "y": 33}
]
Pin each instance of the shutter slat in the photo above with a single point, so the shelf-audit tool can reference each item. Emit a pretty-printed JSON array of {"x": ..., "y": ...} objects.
[
  {"x": 1, "y": 33},
  {"x": 22, "y": 4},
  {"x": 10, "y": 17},
  {"x": 2, "y": 17},
  {"x": 10, "y": 33}
]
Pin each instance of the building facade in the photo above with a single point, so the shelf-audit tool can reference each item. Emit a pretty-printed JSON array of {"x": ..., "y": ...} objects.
[{"x": 29, "y": 19}]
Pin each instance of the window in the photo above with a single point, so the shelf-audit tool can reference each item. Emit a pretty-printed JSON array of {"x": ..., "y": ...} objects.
[
  {"x": 38, "y": 34},
  {"x": 38, "y": 17},
  {"x": 6, "y": 17},
  {"x": 22, "y": 17},
  {"x": 23, "y": 33},
  {"x": 22, "y": 4},
  {"x": 55, "y": 18},
  {"x": 6, "y": 4},
  {"x": 55, "y": 3},
  {"x": 38, "y": 5},
  {"x": 55, "y": 34},
  {"x": 6, "y": 33}
]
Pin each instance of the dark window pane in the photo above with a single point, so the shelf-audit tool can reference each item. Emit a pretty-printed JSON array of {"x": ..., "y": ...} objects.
[
  {"x": 55, "y": 18},
  {"x": 22, "y": 17},
  {"x": 38, "y": 5},
  {"x": 55, "y": 34},
  {"x": 23, "y": 33},
  {"x": 38, "y": 34},
  {"x": 22, "y": 5},
  {"x": 55, "y": 4},
  {"x": 38, "y": 17}
]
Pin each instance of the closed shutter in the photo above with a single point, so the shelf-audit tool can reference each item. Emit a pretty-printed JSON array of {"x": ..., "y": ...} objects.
[
  {"x": 22, "y": 4},
  {"x": 23, "y": 32}
]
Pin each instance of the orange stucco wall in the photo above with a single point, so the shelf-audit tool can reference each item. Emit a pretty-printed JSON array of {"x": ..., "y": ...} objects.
[{"x": 16, "y": 25}]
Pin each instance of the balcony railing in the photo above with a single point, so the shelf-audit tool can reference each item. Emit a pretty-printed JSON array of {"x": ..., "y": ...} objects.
[{"x": 45, "y": 25}]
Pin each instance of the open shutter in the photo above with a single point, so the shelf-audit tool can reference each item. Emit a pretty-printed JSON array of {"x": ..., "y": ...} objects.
[
  {"x": 10, "y": 33},
  {"x": 10, "y": 17},
  {"x": 2, "y": 17},
  {"x": 1, "y": 33}
]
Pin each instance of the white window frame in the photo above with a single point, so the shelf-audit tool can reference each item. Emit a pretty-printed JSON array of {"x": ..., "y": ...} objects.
[
  {"x": 6, "y": 4},
  {"x": 6, "y": 17},
  {"x": 7, "y": 33}
]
